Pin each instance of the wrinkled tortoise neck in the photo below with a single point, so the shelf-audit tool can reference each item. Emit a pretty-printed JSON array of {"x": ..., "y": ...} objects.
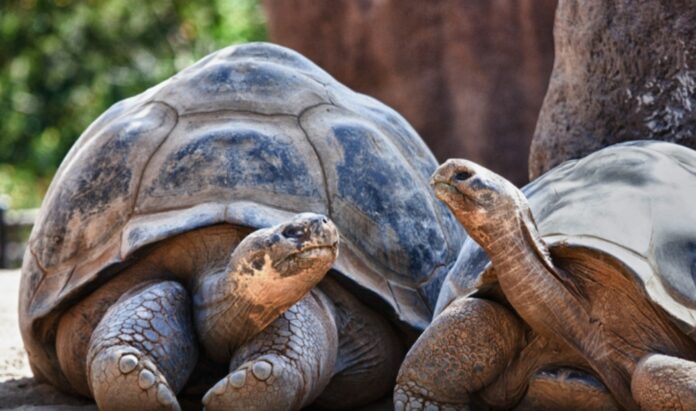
[
  {"x": 230, "y": 308},
  {"x": 235, "y": 303},
  {"x": 527, "y": 278},
  {"x": 546, "y": 298}
]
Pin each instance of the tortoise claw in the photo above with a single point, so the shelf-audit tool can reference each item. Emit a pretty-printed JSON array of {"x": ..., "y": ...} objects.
[
  {"x": 406, "y": 399},
  {"x": 268, "y": 383},
  {"x": 125, "y": 378}
]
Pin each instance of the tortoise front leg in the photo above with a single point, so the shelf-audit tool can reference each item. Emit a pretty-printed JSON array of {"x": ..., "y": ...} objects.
[
  {"x": 662, "y": 382},
  {"x": 143, "y": 350},
  {"x": 286, "y": 366},
  {"x": 328, "y": 349},
  {"x": 463, "y": 350}
]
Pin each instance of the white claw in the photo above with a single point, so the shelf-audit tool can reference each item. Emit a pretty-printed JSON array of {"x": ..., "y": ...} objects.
[
  {"x": 164, "y": 395},
  {"x": 238, "y": 378},
  {"x": 219, "y": 388},
  {"x": 128, "y": 363},
  {"x": 206, "y": 398},
  {"x": 146, "y": 379},
  {"x": 262, "y": 370}
]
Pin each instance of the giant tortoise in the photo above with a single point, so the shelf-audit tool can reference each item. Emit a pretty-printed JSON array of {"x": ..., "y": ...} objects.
[
  {"x": 605, "y": 321},
  {"x": 171, "y": 223}
]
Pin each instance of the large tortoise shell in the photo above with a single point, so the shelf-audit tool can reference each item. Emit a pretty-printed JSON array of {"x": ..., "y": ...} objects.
[
  {"x": 633, "y": 202},
  {"x": 249, "y": 135}
]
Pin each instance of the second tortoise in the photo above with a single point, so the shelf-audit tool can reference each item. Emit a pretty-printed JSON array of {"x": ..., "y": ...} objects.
[{"x": 589, "y": 300}]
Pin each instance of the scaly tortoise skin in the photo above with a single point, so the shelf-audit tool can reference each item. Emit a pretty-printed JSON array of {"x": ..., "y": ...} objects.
[
  {"x": 604, "y": 321},
  {"x": 147, "y": 242}
]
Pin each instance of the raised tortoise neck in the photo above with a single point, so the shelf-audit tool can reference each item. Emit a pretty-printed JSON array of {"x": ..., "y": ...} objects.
[
  {"x": 539, "y": 293},
  {"x": 547, "y": 298}
]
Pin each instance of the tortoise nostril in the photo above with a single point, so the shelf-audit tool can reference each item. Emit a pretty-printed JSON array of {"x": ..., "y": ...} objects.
[
  {"x": 462, "y": 176},
  {"x": 324, "y": 220}
]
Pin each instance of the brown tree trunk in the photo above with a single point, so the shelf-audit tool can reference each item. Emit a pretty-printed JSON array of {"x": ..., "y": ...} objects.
[
  {"x": 469, "y": 75},
  {"x": 624, "y": 70}
]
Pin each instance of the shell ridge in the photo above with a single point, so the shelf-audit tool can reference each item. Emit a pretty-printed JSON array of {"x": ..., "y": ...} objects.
[
  {"x": 304, "y": 72},
  {"x": 320, "y": 93},
  {"x": 687, "y": 167},
  {"x": 236, "y": 111},
  {"x": 70, "y": 157},
  {"x": 643, "y": 271},
  {"x": 68, "y": 278},
  {"x": 44, "y": 275},
  {"x": 136, "y": 197},
  {"x": 550, "y": 239},
  {"x": 275, "y": 53},
  {"x": 395, "y": 300},
  {"x": 437, "y": 207},
  {"x": 325, "y": 181},
  {"x": 163, "y": 210}
]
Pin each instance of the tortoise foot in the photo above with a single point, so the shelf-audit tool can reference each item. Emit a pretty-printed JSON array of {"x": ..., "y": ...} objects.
[
  {"x": 125, "y": 379},
  {"x": 463, "y": 350},
  {"x": 286, "y": 366},
  {"x": 143, "y": 350},
  {"x": 410, "y": 397},
  {"x": 662, "y": 382},
  {"x": 269, "y": 382}
]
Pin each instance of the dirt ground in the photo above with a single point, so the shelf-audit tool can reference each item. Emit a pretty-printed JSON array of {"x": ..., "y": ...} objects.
[{"x": 18, "y": 390}]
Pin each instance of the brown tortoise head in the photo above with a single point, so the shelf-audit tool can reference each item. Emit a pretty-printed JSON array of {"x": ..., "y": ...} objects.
[
  {"x": 484, "y": 202},
  {"x": 284, "y": 252}
]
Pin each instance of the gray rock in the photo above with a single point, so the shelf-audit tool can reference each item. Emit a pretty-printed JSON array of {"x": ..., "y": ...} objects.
[{"x": 624, "y": 70}]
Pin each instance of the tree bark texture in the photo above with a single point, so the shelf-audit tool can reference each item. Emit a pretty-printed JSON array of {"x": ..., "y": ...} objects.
[{"x": 624, "y": 70}]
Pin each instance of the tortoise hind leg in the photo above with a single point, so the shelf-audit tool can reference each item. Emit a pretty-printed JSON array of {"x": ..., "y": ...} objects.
[
  {"x": 143, "y": 349},
  {"x": 662, "y": 382}
]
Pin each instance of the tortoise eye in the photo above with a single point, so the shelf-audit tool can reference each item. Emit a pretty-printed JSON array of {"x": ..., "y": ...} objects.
[
  {"x": 462, "y": 176},
  {"x": 293, "y": 232}
]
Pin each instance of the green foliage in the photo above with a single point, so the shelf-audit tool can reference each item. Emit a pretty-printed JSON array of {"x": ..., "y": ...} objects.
[{"x": 63, "y": 62}]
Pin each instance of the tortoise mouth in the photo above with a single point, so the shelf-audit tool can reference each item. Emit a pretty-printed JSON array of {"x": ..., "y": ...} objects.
[
  {"x": 443, "y": 190},
  {"x": 452, "y": 196},
  {"x": 312, "y": 252}
]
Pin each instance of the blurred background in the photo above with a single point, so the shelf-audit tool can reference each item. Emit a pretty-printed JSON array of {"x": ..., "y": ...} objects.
[{"x": 469, "y": 75}]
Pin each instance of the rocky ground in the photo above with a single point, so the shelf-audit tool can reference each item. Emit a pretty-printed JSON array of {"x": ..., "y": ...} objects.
[{"x": 18, "y": 390}]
